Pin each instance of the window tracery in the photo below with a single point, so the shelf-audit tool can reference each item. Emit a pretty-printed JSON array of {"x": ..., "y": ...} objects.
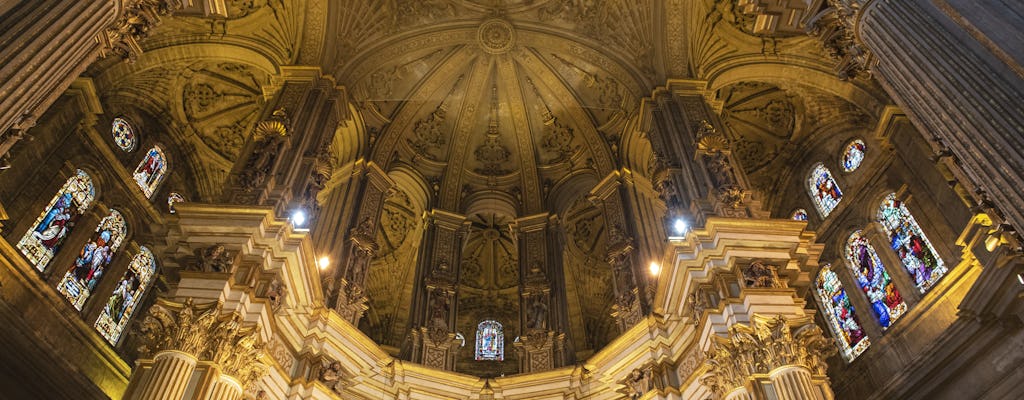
[
  {"x": 853, "y": 155},
  {"x": 124, "y": 134},
  {"x": 44, "y": 239},
  {"x": 87, "y": 269},
  {"x": 872, "y": 277},
  {"x": 910, "y": 243},
  {"x": 151, "y": 171},
  {"x": 840, "y": 314},
  {"x": 126, "y": 296},
  {"x": 824, "y": 190},
  {"x": 490, "y": 341}
]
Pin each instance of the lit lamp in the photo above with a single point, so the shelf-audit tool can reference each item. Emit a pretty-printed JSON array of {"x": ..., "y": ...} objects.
[
  {"x": 995, "y": 238},
  {"x": 298, "y": 218},
  {"x": 655, "y": 268},
  {"x": 679, "y": 228},
  {"x": 323, "y": 262}
]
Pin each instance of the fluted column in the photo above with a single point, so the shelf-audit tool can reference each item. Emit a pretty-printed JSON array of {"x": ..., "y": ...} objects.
[
  {"x": 790, "y": 353},
  {"x": 169, "y": 376},
  {"x": 793, "y": 382},
  {"x": 225, "y": 388},
  {"x": 957, "y": 84},
  {"x": 739, "y": 393}
]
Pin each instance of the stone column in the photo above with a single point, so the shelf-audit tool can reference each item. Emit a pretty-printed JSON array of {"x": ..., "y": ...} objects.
[
  {"x": 225, "y": 388},
  {"x": 956, "y": 83},
  {"x": 361, "y": 246},
  {"x": 434, "y": 342},
  {"x": 168, "y": 376},
  {"x": 626, "y": 282},
  {"x": 790, "y": 353},
  {"x": 46, "y": 44},
  {"x": 793, "y": 382},
  {"x": 184, "y": 334},
  {"x": 539, "y": 344}
]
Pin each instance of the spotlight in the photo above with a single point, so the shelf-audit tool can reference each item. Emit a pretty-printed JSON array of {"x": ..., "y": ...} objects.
[
  {"x": 323, "y": 262},
  {"x": 655, "y": 268},
  {"x": 1020, "y": 278},
  {"x": 996, "y": 237},
  {"x": 680, "y": 226},
  {"x": 298, "y": 218}
]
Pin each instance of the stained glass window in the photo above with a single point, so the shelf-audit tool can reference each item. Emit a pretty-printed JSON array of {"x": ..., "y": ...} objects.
[
  {"x": 840, "y": 315},
  {"x": 174, "y": 198},
  {"x": 853, "y": 155},
  {"x": 799, "y": 215},
  {"x": 824, "y": 190},
  {"x": 43, "y": 240},
  {"x": 490, "y": 341},
  {"x": 83, "y": 275},
  {"x": 127, "y": 295},
  {"x": 874, "y": 280},
  {"x": 151, "y": 170},
  {"x": 906, "y": 238},
  {"x": 124, "y": 134}
]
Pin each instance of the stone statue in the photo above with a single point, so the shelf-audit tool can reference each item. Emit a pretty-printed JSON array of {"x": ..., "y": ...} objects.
[
  {"x": 213, "y": 259},
  {"x": 538, "y": 313},
  {"x": 761, "y": 275},
  {"x": 331, "y": 375},
  {"x": 276, "y": 293}
]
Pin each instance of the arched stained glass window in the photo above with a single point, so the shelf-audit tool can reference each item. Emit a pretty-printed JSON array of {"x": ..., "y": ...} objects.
[
  {"x": 124, "y": 134},
  {"x": 840, "y": 315},
  {"x": 172, "y": 199},
  {"x": 853, "y": 155},
  {"x": 126, "y": 296},
  {"x": 824, "y": 190},
  {"x": 151, "y": 170},
  {"x": 906, "y": 238},
  {"x": 799, "y": 215},
  {"x": 43, "y": 240},
  {"x": 874, "y": 280},
  {"x": 490, "y": 341},
  {"x": 83, "y": 275}
]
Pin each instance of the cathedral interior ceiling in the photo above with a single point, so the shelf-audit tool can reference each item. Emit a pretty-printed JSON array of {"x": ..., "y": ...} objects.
[{"x": 500, "y": 109}]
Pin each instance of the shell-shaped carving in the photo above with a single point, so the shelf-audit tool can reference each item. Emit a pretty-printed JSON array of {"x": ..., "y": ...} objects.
[
  {"x": 271, "y": 127},
  {"x": 713, "y": 143}
]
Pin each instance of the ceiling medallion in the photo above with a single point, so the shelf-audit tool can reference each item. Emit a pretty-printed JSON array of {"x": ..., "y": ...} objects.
[{"x": 496, "y": 36}]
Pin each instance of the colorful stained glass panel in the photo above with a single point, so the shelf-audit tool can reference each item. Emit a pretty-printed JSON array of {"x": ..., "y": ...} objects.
[
  {"x": 43, "y": 240},
  {"x": 124, "y": 134},
  {"x": 853, "y": 155},
  {"x": 151, "y": 171},
  {"x": 799, "y": 215},
  {"x": 872, "y": 277},
  {"x": 87, "y": 269},
  {"x": 905, "y": 237},
  {"x": 824, "y": 190},
  {"x": 841, "y": 316},
  {"x": 172, "y": 200},
  {"x": 126, "y": 296},
  {"x": 490, "y": 341}
]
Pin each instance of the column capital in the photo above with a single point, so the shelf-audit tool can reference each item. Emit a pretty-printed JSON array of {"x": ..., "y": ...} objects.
[{"x": 767, "y": 344}]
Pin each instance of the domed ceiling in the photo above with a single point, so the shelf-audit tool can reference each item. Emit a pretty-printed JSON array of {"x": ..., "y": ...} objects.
[{"x": 495, "y": 96}]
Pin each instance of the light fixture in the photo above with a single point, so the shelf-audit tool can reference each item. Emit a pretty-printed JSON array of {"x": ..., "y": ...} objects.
[
  {"x": 996, "y": 237},
  {"x": 298, "y": 218},
  {"x": 655, "y": 268},
  {"x": 1020, "y": 278},
  {"x": 679, "y": 225},
  {"x": 323, "y": 262}
]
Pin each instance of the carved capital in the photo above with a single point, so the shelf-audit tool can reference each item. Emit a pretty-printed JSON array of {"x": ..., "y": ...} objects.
[
  {"x": 835, "y": 27},
  {"x": 765, "y": 345},
  {"x": 139, "y": 18}
]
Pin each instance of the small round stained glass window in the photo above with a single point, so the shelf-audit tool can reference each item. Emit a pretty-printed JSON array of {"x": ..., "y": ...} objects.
[
  {"x": 799, "y": 215},
  {"x": 853, "y": 155},
  {"x": 124, "y": 134}
]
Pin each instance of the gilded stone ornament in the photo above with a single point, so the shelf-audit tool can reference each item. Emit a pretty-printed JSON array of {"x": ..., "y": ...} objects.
[{"x": 496, "y": 36}]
